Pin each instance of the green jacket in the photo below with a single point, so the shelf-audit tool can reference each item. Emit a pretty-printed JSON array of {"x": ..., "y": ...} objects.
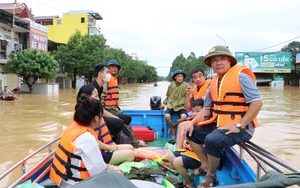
[{"x": 176, "y": 96}]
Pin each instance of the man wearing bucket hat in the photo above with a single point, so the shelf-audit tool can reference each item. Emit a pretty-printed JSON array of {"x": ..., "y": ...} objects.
[
  {"x": 229, "y": 113},
  {"x": 110, "y": 97},
  {"x": 175, "y": 101}
]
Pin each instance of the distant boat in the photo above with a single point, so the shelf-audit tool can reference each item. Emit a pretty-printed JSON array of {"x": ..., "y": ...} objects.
[
  {"x": 155, "y": 84},
  {"x": 10, "y": 98}
]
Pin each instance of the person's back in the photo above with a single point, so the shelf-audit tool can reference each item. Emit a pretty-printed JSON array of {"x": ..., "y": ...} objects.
[{"x": 78, "y": 155}]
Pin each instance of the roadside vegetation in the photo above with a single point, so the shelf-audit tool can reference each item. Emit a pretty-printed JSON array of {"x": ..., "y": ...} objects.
[
  {"x": 31, "y": 65},
  {"x": 79, "y": 56}
]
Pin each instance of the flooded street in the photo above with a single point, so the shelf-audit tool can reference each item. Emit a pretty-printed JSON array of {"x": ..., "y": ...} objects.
[{"x": 35, "y": 119}]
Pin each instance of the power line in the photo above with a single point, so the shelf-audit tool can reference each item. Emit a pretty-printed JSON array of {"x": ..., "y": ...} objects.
[{"x": 276, "y": 44}]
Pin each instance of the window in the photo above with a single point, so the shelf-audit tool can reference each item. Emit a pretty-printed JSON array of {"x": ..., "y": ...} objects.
[
  {"x": 82, "y": 19},
  {"x": 58, "y": 22}
]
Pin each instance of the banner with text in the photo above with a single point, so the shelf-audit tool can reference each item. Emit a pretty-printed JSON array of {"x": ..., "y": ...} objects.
[
  {"x": 265, "y": 62},
  {"x": 38, "y": 37}
]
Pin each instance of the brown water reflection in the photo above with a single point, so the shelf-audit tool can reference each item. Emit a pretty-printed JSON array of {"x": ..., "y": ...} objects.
[{"x": 33, "y": 120}]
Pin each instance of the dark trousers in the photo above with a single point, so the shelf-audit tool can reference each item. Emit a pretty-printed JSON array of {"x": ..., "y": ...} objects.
[
  {"x": 114, "y": 125},
  {"x": 126, "y": 118}
]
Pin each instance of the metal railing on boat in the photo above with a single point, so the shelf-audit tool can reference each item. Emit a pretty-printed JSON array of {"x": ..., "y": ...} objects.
[
  {"x": 26, "y": 174},
  {"x": 262, "y": 158}
]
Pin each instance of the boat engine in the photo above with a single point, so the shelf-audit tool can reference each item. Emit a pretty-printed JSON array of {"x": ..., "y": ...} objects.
[{"x": 155, "y": 102}]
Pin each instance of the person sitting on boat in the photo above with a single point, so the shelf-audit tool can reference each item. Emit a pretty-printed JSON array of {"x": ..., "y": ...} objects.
[
  {"x": 7, "y": 93},
  {"x": 110, "y": 99},
  {"x": 233, "y": 102},
  {"x": 199, "y": 89},
  {"x": 77, "y": 156},
  {"x": 102, "y": 76},
  {"x": 112, "y": 153},
  {"x": 197, "y": 106},
  {"x": 175, "y": 101},
  {"x": 155, "y": 84},
  {"x": 184, "y": 158}
]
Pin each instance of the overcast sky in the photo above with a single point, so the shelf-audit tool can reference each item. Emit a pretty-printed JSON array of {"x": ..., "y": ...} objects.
[{"x": 160, "y": 30}]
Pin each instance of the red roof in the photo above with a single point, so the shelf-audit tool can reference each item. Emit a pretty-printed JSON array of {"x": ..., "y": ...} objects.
[{"x": 26, "y": 13}]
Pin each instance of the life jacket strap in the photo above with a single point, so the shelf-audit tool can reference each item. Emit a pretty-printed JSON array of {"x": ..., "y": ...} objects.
[
  {"x": 231, "y": 103},
  {"x": 64, "y": 176}
]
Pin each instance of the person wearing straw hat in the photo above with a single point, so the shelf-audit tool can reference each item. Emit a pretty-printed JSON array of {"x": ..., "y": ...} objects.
[{"x": 229, "y": 113}]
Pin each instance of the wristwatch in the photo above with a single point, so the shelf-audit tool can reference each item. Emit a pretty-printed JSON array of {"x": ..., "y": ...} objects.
[{"x": 239, "y": 126}]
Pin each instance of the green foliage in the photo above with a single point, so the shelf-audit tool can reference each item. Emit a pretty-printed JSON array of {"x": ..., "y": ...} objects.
[
  {"x": 31, "y": 65},
  {"x": 294, "y": 48},
  {"x": 187, "y": 65},
  {"x": 81, "y": 53}
]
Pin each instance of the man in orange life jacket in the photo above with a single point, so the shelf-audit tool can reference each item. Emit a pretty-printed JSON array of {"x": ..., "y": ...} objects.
[
  {"x": 110, "y": 99},
  {"x": 199, "y": 89},
  {"x": 232, "y": 102},
  {"x": 110, "y": 93}
]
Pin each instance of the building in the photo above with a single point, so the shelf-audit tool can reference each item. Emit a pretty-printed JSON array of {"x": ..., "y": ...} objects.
[
  {"x": 14, "y": 36},
  {"x": 60, "y": 29}
]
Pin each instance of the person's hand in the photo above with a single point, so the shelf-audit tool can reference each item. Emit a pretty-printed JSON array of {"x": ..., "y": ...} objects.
[
  {"x": 231, "y": 127},
  {"x": 114, "y": 147},
  {"x": 185, "y": 144},
  {"x": 188, "y": 89},
  {"x": 188, "y": 128},
  {"x": 115, "y": 168},
  {"x": 162, "y": 107}
]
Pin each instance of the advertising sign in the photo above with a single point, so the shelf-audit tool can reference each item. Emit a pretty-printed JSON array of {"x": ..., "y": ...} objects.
[
  {"x": 265, "y": 62},
  {"x": 38, "y": 37}
]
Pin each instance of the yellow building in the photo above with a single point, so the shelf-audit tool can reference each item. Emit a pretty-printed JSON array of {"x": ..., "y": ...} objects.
[{"x": 60, "y": 29}]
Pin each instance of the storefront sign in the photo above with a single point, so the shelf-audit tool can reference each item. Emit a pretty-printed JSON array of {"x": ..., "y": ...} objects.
[{"x": 265, "y": 62}]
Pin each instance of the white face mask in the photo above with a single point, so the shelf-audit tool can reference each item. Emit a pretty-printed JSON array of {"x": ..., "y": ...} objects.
[{"x": 107, "y": 78}]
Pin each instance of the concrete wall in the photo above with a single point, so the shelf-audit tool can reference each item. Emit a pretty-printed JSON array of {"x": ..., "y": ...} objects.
[{"x": 41, "y": 88}]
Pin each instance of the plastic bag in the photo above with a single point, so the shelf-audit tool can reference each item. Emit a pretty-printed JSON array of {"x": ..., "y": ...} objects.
[{"x": 29, "y": 184}]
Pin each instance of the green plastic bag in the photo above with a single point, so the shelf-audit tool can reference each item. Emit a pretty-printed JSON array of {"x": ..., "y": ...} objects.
[{"x": 29, "y": 184}]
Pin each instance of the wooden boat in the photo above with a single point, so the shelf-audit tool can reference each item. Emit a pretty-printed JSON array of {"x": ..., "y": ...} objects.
[
  {"x": 234, "y": 172},
  {"x": 10, "y": 98}
]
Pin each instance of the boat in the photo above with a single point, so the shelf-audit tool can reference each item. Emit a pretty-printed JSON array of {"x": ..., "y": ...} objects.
[
  {"x": 10, "y": 98},
  {"x": 234, "y": 171}
]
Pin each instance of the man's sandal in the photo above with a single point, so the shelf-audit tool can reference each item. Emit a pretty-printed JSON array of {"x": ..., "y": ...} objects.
[
  {"x": 209, "y": 181},
  {"x": 193, "y": 173},
  {"x": 182, "y": 185}
]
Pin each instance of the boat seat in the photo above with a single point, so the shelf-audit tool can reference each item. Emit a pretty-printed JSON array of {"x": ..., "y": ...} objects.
[{"x": 48, "y": 183}]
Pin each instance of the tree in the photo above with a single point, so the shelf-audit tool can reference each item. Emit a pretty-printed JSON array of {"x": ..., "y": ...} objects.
[
  {"x": 294, "y": 48},
  {"x": 187, "y": 65},
  {"x": 31, "y": 65},
  {"x": 80, "y": 54}
]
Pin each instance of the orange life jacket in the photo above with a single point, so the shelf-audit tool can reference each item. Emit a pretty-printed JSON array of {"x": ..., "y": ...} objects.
[
  {"x": 103, "y": 135},
  {"x": 61, "y": 166},
  {"x": 112, "y": 97},
  {"x": 229, "y": 104},
  {"x": 202, "y": 92}
]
